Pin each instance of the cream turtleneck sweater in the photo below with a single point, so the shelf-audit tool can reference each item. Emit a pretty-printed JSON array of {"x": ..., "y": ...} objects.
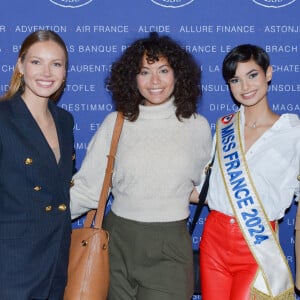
[{"x": 158, "y": 162}]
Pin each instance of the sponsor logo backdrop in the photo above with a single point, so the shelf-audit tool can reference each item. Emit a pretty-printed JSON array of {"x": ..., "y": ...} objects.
[{"x": 97, "y": 32}]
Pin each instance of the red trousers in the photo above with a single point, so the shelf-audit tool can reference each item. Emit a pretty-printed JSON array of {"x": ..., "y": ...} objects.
[{"x": 226, "y": 263}]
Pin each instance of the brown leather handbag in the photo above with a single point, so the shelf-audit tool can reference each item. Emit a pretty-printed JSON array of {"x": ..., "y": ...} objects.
[{"x": 88, "y": 271}]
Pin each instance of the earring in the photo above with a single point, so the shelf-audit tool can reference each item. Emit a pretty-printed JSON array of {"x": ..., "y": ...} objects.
[{"x": 20, "y": 75}]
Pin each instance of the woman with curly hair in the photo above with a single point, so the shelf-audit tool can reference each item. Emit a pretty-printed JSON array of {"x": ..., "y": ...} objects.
[{"x": 162, "y": 150}]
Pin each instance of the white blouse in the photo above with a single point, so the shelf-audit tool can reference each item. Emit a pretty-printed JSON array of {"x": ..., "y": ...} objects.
[{"x": 274, "y": 163}]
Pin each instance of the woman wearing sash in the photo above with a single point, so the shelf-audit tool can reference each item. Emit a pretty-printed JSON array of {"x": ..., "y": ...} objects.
[{"x": 253, "y": 181}]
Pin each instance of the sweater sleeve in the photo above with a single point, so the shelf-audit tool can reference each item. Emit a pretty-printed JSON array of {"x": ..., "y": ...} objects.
[
  {"x": 89, "y": 179},
  {"x": 209, "y": 154},
  {"x": 205, "y": 140}
]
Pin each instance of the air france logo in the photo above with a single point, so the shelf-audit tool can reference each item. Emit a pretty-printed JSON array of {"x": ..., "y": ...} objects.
[
  {"x": 71, "y": 3},
  {"x": 274, "y": 3},
  {"x": 172, "y": 3}
]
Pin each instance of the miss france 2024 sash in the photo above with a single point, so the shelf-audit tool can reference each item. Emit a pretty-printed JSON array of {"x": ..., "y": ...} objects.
[{"x": 273, "y": 279}]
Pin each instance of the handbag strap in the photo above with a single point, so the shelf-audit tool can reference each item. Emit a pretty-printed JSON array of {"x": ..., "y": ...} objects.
[
  {"x": 202, "y": 196},
  {"x": 98, "y": 214}
]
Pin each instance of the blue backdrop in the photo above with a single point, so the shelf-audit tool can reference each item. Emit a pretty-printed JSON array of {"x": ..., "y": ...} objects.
[{"x": 97, "y": 31}]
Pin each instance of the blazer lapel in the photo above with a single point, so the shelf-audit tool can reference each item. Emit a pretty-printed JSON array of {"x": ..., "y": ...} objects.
[
  {"x": 28, "y": 127},
  {"x": 59, "y": 124}
]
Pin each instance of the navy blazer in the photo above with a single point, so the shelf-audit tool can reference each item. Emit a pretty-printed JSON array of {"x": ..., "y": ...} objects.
[{"x": 35, "y": 223}]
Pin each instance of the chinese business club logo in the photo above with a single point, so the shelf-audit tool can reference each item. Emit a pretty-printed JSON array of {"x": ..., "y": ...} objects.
[
  {"x": 71, "y": 4},
  {"x": 172, "y": 3},
  {"x": 274, "y": 4}
]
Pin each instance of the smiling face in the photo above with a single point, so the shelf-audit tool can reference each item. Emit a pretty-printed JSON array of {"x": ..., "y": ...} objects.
[
  {"x": 44, "y": 69},
  {"x": 249, "y": 86},
  {"x": 156, "y": 81}
]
